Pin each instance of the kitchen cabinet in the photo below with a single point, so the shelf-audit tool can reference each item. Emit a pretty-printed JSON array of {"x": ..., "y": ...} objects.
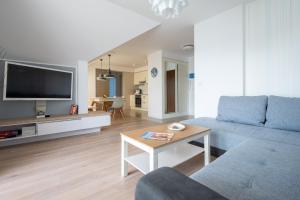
[
  {"x": 144, "y": 102},
  {"x": 132, "y": 101},
  {"x": 140, "y": 77}
]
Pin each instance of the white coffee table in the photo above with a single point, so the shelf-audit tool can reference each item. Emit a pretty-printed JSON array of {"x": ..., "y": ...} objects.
[{"x": 163, "y": 153}]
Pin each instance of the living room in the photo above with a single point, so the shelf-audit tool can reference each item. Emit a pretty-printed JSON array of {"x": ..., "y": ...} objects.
[{"x": 223, "y": 100}]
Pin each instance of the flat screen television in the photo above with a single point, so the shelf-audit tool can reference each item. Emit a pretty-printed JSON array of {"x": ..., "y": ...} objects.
[{"x": 28, "y": 82}]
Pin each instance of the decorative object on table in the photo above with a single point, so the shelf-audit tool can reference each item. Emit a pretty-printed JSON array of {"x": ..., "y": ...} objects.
[
  {"x": 10, "y": 134},
  {"x": 109, "y": 75},
  {"x": 101, "y": 76},
  {"x": 168, "y": 8},
  {"x": 40, "y": 114},
  {"x": 158, "y": 136},
  {"x": 154, "y": 72},
  {"x": 176, "y": 127},
  {"x": 40, "y": 107},
  {"x": 74, "y": 109}
]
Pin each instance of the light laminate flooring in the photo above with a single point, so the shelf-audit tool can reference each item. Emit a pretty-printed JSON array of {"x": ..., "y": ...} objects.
[{"x": 79, "y": 167}]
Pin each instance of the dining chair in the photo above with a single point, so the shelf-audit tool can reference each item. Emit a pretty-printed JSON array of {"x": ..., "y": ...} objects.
[
  {"x": 117, "y": 106},
  {"x": 95, "y": 105}
]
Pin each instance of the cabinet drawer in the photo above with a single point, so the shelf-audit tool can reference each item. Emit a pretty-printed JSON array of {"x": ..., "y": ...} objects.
[
  {"x": 58, "y": 127},
  {"x": 144, "y": 105},
  {"x": 95, "y": 122},
  {"x": 132, "y": 100}
]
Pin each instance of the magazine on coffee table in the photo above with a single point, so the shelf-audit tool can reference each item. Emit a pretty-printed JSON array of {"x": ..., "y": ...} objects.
[{"x": 158, "y": 136}]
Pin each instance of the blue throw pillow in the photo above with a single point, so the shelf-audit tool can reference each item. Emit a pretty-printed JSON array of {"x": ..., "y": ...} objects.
[
  {"x": 283, "y": 113},
  {"x": 243, "y": 109}
]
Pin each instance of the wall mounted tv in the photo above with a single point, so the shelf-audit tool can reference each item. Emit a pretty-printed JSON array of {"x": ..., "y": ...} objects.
[{"x": 27, "y": 82}]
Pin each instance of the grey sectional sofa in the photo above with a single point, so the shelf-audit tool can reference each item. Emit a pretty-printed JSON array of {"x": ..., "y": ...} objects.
[{"x": 261, "y": 137}]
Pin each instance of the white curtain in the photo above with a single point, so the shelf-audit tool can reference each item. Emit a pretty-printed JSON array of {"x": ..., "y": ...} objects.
[{"x": 272, "y": 30}]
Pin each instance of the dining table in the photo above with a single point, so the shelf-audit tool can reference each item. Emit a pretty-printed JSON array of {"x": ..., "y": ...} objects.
[{"x": 104, "y": 102}]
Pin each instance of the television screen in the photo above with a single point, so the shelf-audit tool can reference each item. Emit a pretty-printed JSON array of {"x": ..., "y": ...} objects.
[{"x": 24, "y": 82}]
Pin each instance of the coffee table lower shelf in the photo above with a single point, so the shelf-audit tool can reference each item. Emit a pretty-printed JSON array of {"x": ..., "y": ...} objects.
[{"x": 168, "y": 158}]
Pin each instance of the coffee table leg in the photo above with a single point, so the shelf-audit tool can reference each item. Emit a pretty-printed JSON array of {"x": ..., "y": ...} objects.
[
  {"x": 124, "y": 154},
  {"x": 207, "y": 149},
  {"x": 153, "y": 160}
]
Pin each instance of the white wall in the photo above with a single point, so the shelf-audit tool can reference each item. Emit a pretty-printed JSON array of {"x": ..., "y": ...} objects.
[
  {"x": 191, "y": 88},
  {"x": 253, "y": 52},
  {"x": 218, "y": 60},
  {"x": 82, "y": 85},
  {"x": 155, "y": 86}
]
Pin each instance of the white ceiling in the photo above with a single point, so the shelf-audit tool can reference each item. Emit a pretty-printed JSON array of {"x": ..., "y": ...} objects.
[
  {"x": 65, "y": 31},
  {"x": 171, "y": 35}
]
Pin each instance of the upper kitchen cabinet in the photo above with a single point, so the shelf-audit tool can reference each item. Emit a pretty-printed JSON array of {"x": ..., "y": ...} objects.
[{"x": 140, "y": 77}]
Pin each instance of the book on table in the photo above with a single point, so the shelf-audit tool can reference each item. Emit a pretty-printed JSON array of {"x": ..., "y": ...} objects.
[{"x": 158, "y": 136}]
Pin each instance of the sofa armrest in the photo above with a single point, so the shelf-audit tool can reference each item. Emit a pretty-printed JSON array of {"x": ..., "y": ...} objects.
[{"x": 168, "y": 184}]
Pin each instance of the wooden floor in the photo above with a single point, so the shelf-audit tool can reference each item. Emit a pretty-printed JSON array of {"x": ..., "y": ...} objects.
[{"x": 79, "y": 167}]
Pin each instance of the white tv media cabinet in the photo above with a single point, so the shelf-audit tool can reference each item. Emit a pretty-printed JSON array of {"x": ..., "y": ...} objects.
[{"x": 55, "y": 126}]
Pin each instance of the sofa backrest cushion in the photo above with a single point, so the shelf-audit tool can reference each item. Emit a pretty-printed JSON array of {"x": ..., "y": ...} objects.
[
  {"x": 243, "y": 109},
  {"x": 283, "y": 113}
]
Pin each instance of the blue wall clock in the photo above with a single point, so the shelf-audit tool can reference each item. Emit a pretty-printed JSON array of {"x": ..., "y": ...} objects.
[{"x": 154, "y": 72}]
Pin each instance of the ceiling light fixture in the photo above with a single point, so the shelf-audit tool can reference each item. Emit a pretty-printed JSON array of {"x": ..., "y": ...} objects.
[
  {"x": 109, "y": 75},
  {"x": 168, "y": 8},
  {"x": 101, "y": 75},
  {"x": 188, "y": 47}
]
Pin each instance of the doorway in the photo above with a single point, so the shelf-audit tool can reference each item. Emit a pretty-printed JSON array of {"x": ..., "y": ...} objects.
[
  {"x": 171, "y": 87},
  {"x": 171, "y": 92}
]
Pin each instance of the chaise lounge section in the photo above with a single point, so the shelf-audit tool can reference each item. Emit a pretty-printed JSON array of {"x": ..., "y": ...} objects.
[{"x": 261, "y": 137}]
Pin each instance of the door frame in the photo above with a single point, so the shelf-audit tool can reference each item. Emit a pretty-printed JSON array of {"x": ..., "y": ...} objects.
[{"x": 171, "y": 66}]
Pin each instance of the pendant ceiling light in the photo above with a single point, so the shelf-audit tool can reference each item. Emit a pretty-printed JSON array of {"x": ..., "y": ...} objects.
[
  {"x": 101, "y": 75},
  {"x": 168, "y": 8},
  {"x": 109, "y": 75}
]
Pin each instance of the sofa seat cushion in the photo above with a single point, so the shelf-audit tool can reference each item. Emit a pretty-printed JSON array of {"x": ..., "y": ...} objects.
[
  {"x": 243, "y": 109},
  {"x": 283, "y": 113},
  {"x": 255, "y": 170},
  {"x": 225, "y": 135}
]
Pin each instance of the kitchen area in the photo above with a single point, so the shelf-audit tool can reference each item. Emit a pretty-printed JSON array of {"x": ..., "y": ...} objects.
[
  {"x": 130, "y": 85},
  {"x": 139, "y": 99}
]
